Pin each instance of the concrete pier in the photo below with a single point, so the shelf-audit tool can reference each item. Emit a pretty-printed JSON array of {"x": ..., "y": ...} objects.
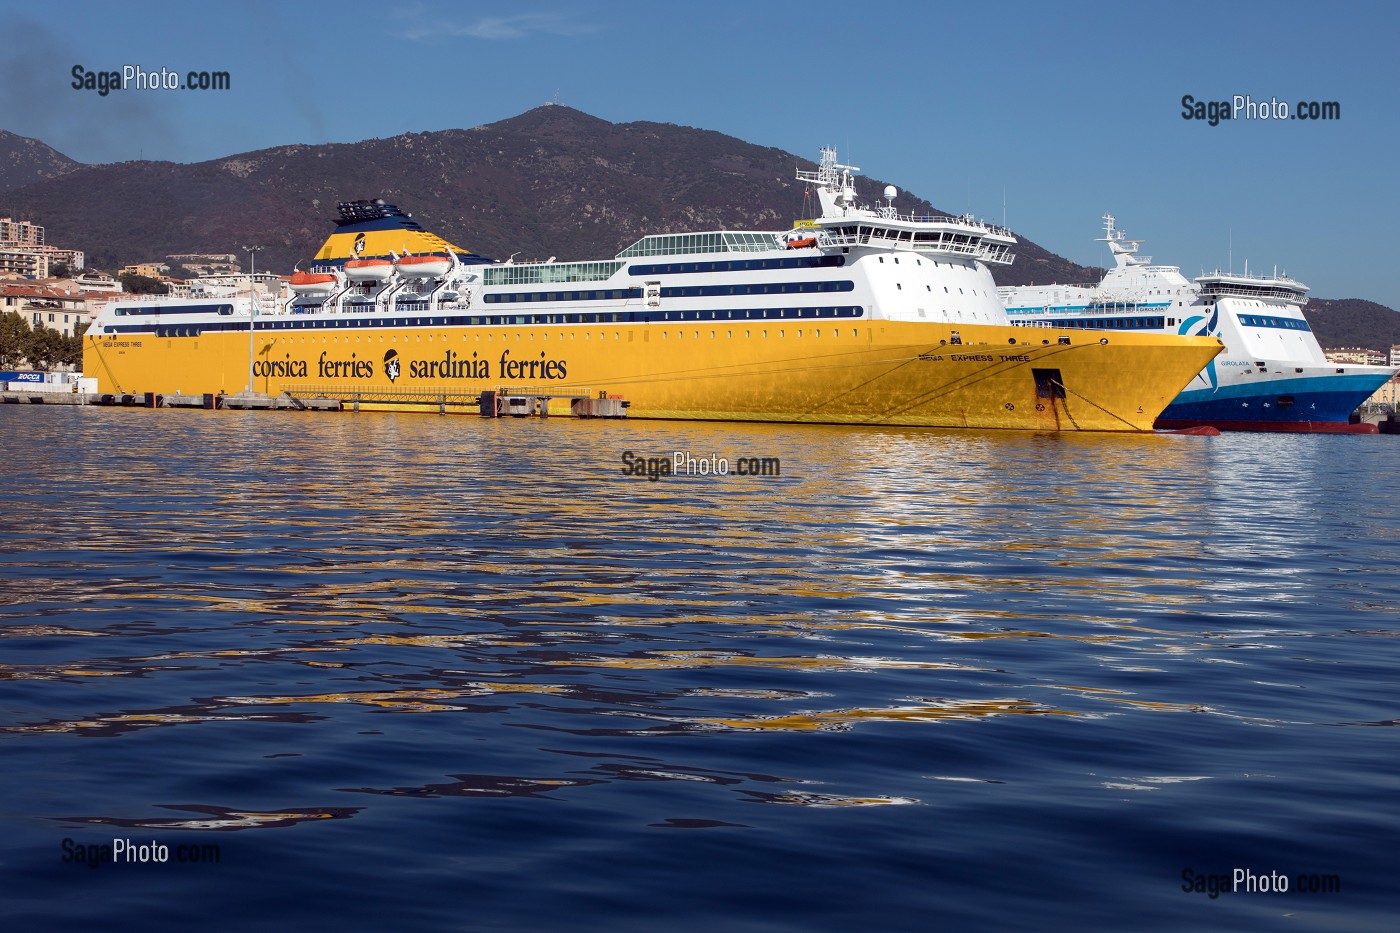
[
  {"x": 506, "y": 402},
  {"x": 46, "y": 398}
]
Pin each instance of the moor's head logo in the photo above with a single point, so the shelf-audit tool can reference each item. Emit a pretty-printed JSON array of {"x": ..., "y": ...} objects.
[{"x": 391, "y": 365}]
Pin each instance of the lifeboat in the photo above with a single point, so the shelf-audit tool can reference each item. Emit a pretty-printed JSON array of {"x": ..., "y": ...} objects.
[
  {"x": 360, "y": 269},
  {"x": 312, "y": 283},
  {"x": 800, "y": 239},
  {"x": 429, "y": 266}
]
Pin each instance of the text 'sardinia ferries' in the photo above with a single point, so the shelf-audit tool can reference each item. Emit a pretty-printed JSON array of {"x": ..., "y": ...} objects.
[
  {"x": 1272, "y": 375},
  {"x": 863, "y": 316}
]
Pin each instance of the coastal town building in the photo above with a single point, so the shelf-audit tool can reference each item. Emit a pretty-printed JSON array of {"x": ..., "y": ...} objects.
[
  {"x": 1387, "y": 397},
  {"x": 20, "y": 233},
  {"x": 267, "y": 286},
  {"x": 201, "y": 264},
  {"x": 151, "y": 270},
  {"x": 24, "y": 253},
  {"x": 46, "y": 306},
  {"x": 1362, "y": 355},
  {"x": 94, "y": 282}
]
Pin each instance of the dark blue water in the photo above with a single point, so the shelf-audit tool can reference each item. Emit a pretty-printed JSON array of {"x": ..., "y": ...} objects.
[{"x": 412, "y": 672}]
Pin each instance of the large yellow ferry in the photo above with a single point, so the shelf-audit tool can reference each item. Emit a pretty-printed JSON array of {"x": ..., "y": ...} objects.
[{"x": 861, "y": 316}]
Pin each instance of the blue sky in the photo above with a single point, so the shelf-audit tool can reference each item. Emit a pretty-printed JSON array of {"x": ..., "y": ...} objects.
[{"x": 1064, "y": 110}]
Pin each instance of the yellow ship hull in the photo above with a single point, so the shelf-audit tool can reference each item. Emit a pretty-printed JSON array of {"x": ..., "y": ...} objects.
[{"x": 861, "y": 372}]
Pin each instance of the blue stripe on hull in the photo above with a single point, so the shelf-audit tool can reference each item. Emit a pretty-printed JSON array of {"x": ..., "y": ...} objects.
[{"x": 1320, "y": 398}]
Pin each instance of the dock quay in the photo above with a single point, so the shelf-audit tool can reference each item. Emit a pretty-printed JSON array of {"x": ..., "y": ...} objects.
[
  {"x": 1388, "y": 423},
  {"x": 66, "y": 397},
  {"x": 500, "y": 402}
]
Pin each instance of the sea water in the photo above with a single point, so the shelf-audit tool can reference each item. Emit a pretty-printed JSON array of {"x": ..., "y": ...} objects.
[{"x": 399, "y": 672}]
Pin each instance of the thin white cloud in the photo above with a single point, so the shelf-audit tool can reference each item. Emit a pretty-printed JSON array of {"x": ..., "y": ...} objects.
[{"x": 423, "y": 25}]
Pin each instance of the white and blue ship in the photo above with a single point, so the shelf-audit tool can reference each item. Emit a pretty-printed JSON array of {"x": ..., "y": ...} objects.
[{"x": 1272, "y": 375}]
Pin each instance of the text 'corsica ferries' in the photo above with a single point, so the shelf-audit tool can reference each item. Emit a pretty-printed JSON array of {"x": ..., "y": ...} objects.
[
  {"x": 1272, "y": 375},
  {"x": 861, "y": 316}
]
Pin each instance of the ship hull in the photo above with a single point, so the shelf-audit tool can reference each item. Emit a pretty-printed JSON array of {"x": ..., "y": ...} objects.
[
  {"x": 1277, "y": 427},
  {"x": 859, "y": 372},
  {"x": 1314, "y": 403}
]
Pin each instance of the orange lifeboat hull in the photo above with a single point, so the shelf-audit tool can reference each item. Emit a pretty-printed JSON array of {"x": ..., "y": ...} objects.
[
  {"x": 424, "y": 266},
  {"x": 369, "y": 268},
  {"x": 312, "y": 283}
]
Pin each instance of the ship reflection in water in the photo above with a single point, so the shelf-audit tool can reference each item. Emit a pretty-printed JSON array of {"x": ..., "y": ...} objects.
[{"x": 990, "y": 681}]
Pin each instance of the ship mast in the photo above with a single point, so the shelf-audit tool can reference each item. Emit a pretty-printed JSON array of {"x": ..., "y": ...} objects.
[
  {"x": 1124, "y": 250},
  {"x": 836, "y": 190}
]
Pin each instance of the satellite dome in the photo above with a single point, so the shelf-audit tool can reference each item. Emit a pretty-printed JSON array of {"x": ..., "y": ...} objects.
[{"x": 891, "y": 192}]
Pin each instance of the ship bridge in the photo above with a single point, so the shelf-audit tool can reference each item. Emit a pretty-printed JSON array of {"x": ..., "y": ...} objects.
[
  {"x": 845, "y": 223},
  {"x": 948, "y": 236},
  {"x": 1267, "y": 288}
]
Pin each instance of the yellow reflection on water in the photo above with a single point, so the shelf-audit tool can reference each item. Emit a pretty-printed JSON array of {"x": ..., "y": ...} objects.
[
  {"x": 420, "y": 700},
  {"x": 844, "y": 718},
  {"x": 697, "y": 659}
]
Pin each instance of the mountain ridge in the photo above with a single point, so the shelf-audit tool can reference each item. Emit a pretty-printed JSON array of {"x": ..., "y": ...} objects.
[
  {"x": 24, "y": 161},
  {"x": 1353, "y": 322},
  {"x": 552, "y": 181}
]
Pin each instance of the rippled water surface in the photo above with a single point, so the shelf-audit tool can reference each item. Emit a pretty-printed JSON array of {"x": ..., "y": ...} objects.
[{"x": 414, "y": 672}]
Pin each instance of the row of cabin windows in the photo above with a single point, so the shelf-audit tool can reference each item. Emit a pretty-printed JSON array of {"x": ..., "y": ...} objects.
[
  {"x": 1261, "y": 320},
  {"x": 680, "y": 291},
  {"x": 605, "y": 317},
  {"x": 586, "y": 335},
  {"x": 137, "y": 310},
  {"x": 1111, "y": 323},
  {"x": 737, "y": 265}
]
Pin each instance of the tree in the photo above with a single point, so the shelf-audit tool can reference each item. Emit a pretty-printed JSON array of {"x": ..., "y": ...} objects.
[
  {"x": 60, "y": 270},
  {"x": 14, "y": 338},
  {"x": 73, "y": 347},
  {"x": 44, "y": 347},
  {"x": 142, "y": 284}
]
